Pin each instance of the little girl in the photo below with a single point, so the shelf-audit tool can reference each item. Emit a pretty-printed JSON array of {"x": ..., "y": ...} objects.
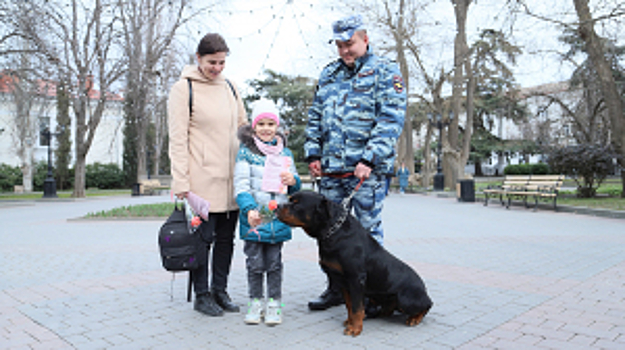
[{"x": 264, "y": 172}]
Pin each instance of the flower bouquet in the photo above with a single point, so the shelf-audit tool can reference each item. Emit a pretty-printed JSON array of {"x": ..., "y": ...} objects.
[{"x": 267, "y": 213}]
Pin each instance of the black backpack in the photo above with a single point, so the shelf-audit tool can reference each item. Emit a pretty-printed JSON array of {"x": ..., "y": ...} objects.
[{"x": 180, "y": 245}]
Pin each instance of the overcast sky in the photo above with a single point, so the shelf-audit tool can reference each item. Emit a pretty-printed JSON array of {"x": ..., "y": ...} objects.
[{"x": 291, "y": 36}]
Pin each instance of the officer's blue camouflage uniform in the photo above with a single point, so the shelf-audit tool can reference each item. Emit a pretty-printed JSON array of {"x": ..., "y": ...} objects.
[{"x": 356, "y": 116}]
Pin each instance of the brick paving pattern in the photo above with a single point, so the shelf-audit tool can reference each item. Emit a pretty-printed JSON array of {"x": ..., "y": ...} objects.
[{"x": 499, "y": 279}]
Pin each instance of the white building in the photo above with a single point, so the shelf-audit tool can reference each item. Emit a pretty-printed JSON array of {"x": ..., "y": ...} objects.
[{"x": 107, "y": 146}]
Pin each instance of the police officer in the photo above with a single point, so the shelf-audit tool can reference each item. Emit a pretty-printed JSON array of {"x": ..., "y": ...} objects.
[{"x": 353, "y": 125}]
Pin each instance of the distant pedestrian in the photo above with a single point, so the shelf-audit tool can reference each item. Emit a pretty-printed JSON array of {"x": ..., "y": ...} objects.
[
  {"x": 402, "y": 176},
  {"x": 205, "y": 111}
]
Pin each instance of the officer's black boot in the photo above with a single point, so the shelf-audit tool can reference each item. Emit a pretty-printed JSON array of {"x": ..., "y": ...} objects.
[{"x": 330, "y": 297}]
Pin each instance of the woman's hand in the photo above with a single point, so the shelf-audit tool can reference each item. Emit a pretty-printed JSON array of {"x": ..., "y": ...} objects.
[
  {"x": 287, "y": 178},
  {"x": 253, "y": 217},
  {"x": 181, "y": 195}
]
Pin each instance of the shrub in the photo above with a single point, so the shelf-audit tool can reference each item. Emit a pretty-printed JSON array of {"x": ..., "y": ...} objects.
[
  {"x": 39, "y": 175},
  {"x": 302, "y": 168},
  {"x": 587, "y": 164},
  {"x": 527, "y": 169},
  {"x": 104, "y": 176},
  {"x": 9, "y": 177}
]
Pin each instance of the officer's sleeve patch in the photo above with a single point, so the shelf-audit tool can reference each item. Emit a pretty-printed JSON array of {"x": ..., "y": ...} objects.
[{"x": 398, "y": 83}]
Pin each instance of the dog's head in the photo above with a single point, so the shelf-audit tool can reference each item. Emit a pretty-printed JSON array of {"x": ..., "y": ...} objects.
[{"x": 308, "y": 210}]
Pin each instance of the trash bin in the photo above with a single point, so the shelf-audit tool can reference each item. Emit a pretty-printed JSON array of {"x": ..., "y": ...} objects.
[
  {"x": 136, "y": 189},
  {"x": 465, "y": 190}
]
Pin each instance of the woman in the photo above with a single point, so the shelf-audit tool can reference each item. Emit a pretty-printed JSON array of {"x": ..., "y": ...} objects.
[{"x": 205, "y": 111}]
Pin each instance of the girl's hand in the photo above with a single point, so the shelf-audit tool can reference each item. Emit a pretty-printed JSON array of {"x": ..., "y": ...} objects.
[
  {"x": 253, "y": 217},
  {"x": 287, "y": 178}
]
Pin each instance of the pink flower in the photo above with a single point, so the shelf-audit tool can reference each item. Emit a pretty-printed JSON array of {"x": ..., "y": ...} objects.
[
  {"x": 273, "y": 205},
  {"x": 195, "y": 222}
]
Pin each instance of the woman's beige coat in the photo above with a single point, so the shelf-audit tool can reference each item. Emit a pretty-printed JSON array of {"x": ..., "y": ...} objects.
[{"x": 203, "y": 144}]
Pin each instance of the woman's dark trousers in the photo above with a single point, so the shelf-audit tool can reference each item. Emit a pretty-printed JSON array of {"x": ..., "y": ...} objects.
[{"x": 219, "y": 231}]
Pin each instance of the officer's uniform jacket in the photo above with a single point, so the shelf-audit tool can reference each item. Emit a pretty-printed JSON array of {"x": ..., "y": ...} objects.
[{"x": 357, "y": 115}]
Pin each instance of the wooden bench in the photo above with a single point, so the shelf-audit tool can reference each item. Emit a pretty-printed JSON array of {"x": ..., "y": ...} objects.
[
  {"x": 538, "y": 187},
  {"x": 149, "y": 186}
]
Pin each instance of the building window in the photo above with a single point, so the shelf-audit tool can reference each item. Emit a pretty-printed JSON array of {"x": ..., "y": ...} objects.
[{"x": 567, "y": 130}]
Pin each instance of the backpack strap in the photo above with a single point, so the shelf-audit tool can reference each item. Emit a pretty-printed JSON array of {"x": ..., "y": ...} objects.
[
  {"x": 190, "y": 96},
  {"x": 234, "y": 92}
]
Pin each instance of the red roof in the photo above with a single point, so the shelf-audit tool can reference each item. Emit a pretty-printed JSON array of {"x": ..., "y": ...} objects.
[{"x": 48, "y": 87}]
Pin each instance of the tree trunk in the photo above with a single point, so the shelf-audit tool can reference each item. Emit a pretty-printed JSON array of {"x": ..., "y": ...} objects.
[
  {"x": 79, "y": 176},
  {"x": 406, "y": 151},
  {"x": 478, "y": 168},
  {"x": 607, "y": 83},
  {"x": 27, "y": 174},
  {"x": 468, "y": 128},
  {"x": 427, "y": 158},
  {"x": 453, "y": 161}
]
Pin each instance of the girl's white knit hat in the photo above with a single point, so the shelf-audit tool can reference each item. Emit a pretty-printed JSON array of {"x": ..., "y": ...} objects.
[{"x": 265, "y": 109}]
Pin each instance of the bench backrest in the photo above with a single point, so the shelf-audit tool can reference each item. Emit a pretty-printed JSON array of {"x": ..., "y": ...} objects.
[
  {"x": 533, "y": 182},
  {"x": 514, "y": 181},
  {"x": 545, "y": 182}
]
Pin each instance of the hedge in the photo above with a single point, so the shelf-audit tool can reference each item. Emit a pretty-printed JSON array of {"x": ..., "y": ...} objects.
[
  {"x": 527, "y": 169},
  {"x": 102, "y": 176}
]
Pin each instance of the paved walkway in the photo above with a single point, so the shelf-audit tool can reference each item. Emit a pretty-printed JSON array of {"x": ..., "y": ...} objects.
[{"x": 500, "y": 279}]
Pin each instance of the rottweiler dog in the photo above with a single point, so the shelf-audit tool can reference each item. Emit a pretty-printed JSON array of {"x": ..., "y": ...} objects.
[{"x": 356, "y": 262}]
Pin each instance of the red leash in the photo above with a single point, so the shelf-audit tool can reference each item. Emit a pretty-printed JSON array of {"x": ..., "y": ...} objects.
[{"x": 344, "y": 176}]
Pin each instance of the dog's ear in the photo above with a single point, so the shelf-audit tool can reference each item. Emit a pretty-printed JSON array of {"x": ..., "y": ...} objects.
[{"x": 322, "y": 211}]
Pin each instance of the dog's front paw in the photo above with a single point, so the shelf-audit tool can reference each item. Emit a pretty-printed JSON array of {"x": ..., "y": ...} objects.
[
  {"x": 352, "y": 330},
  {"x": 415, "y": 319}
]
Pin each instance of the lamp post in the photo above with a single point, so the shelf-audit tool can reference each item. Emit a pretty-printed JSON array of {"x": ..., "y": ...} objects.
[
  {"x": 49, "y": 184},
  {"x": 438, "y": 122}
]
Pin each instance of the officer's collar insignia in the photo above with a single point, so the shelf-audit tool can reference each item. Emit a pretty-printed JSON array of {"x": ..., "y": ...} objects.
[{"x": 398, "y": 83}]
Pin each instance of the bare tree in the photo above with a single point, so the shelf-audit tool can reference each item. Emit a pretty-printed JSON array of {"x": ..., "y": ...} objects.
[
  {"x": 597, "y": 53},
  {"x": 149, "y": 27},
  {"x": 30, "y": 90},
  {"x": 456, "y": 156},
  {"x": 78, "y": 38},
  {"x": 30, "y": 99},
  {"x": 169, "y": 71},
  {"x": 613, "y": 100},
  {"x": 400, "y": 23}
]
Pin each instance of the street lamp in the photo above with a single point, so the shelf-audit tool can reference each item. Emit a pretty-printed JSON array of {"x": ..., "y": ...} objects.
[
  {"x": 438, "y": 122},
  {"x": 49, "y": 184}
]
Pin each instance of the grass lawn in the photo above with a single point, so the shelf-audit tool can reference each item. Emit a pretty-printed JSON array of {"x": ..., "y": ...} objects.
[
  {"x": 139, "y": 210},
  {"x": 63, "y": 194},
  {"x": 598, "y": 203}
]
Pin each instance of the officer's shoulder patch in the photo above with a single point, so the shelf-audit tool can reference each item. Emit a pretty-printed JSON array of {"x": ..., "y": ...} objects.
[{"x": 398, "y": 83}]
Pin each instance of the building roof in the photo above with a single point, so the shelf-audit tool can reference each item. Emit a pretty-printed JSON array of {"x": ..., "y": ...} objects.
[
  {"x": 544, "y": 89},
  {"x": 48, "y": 87}
]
